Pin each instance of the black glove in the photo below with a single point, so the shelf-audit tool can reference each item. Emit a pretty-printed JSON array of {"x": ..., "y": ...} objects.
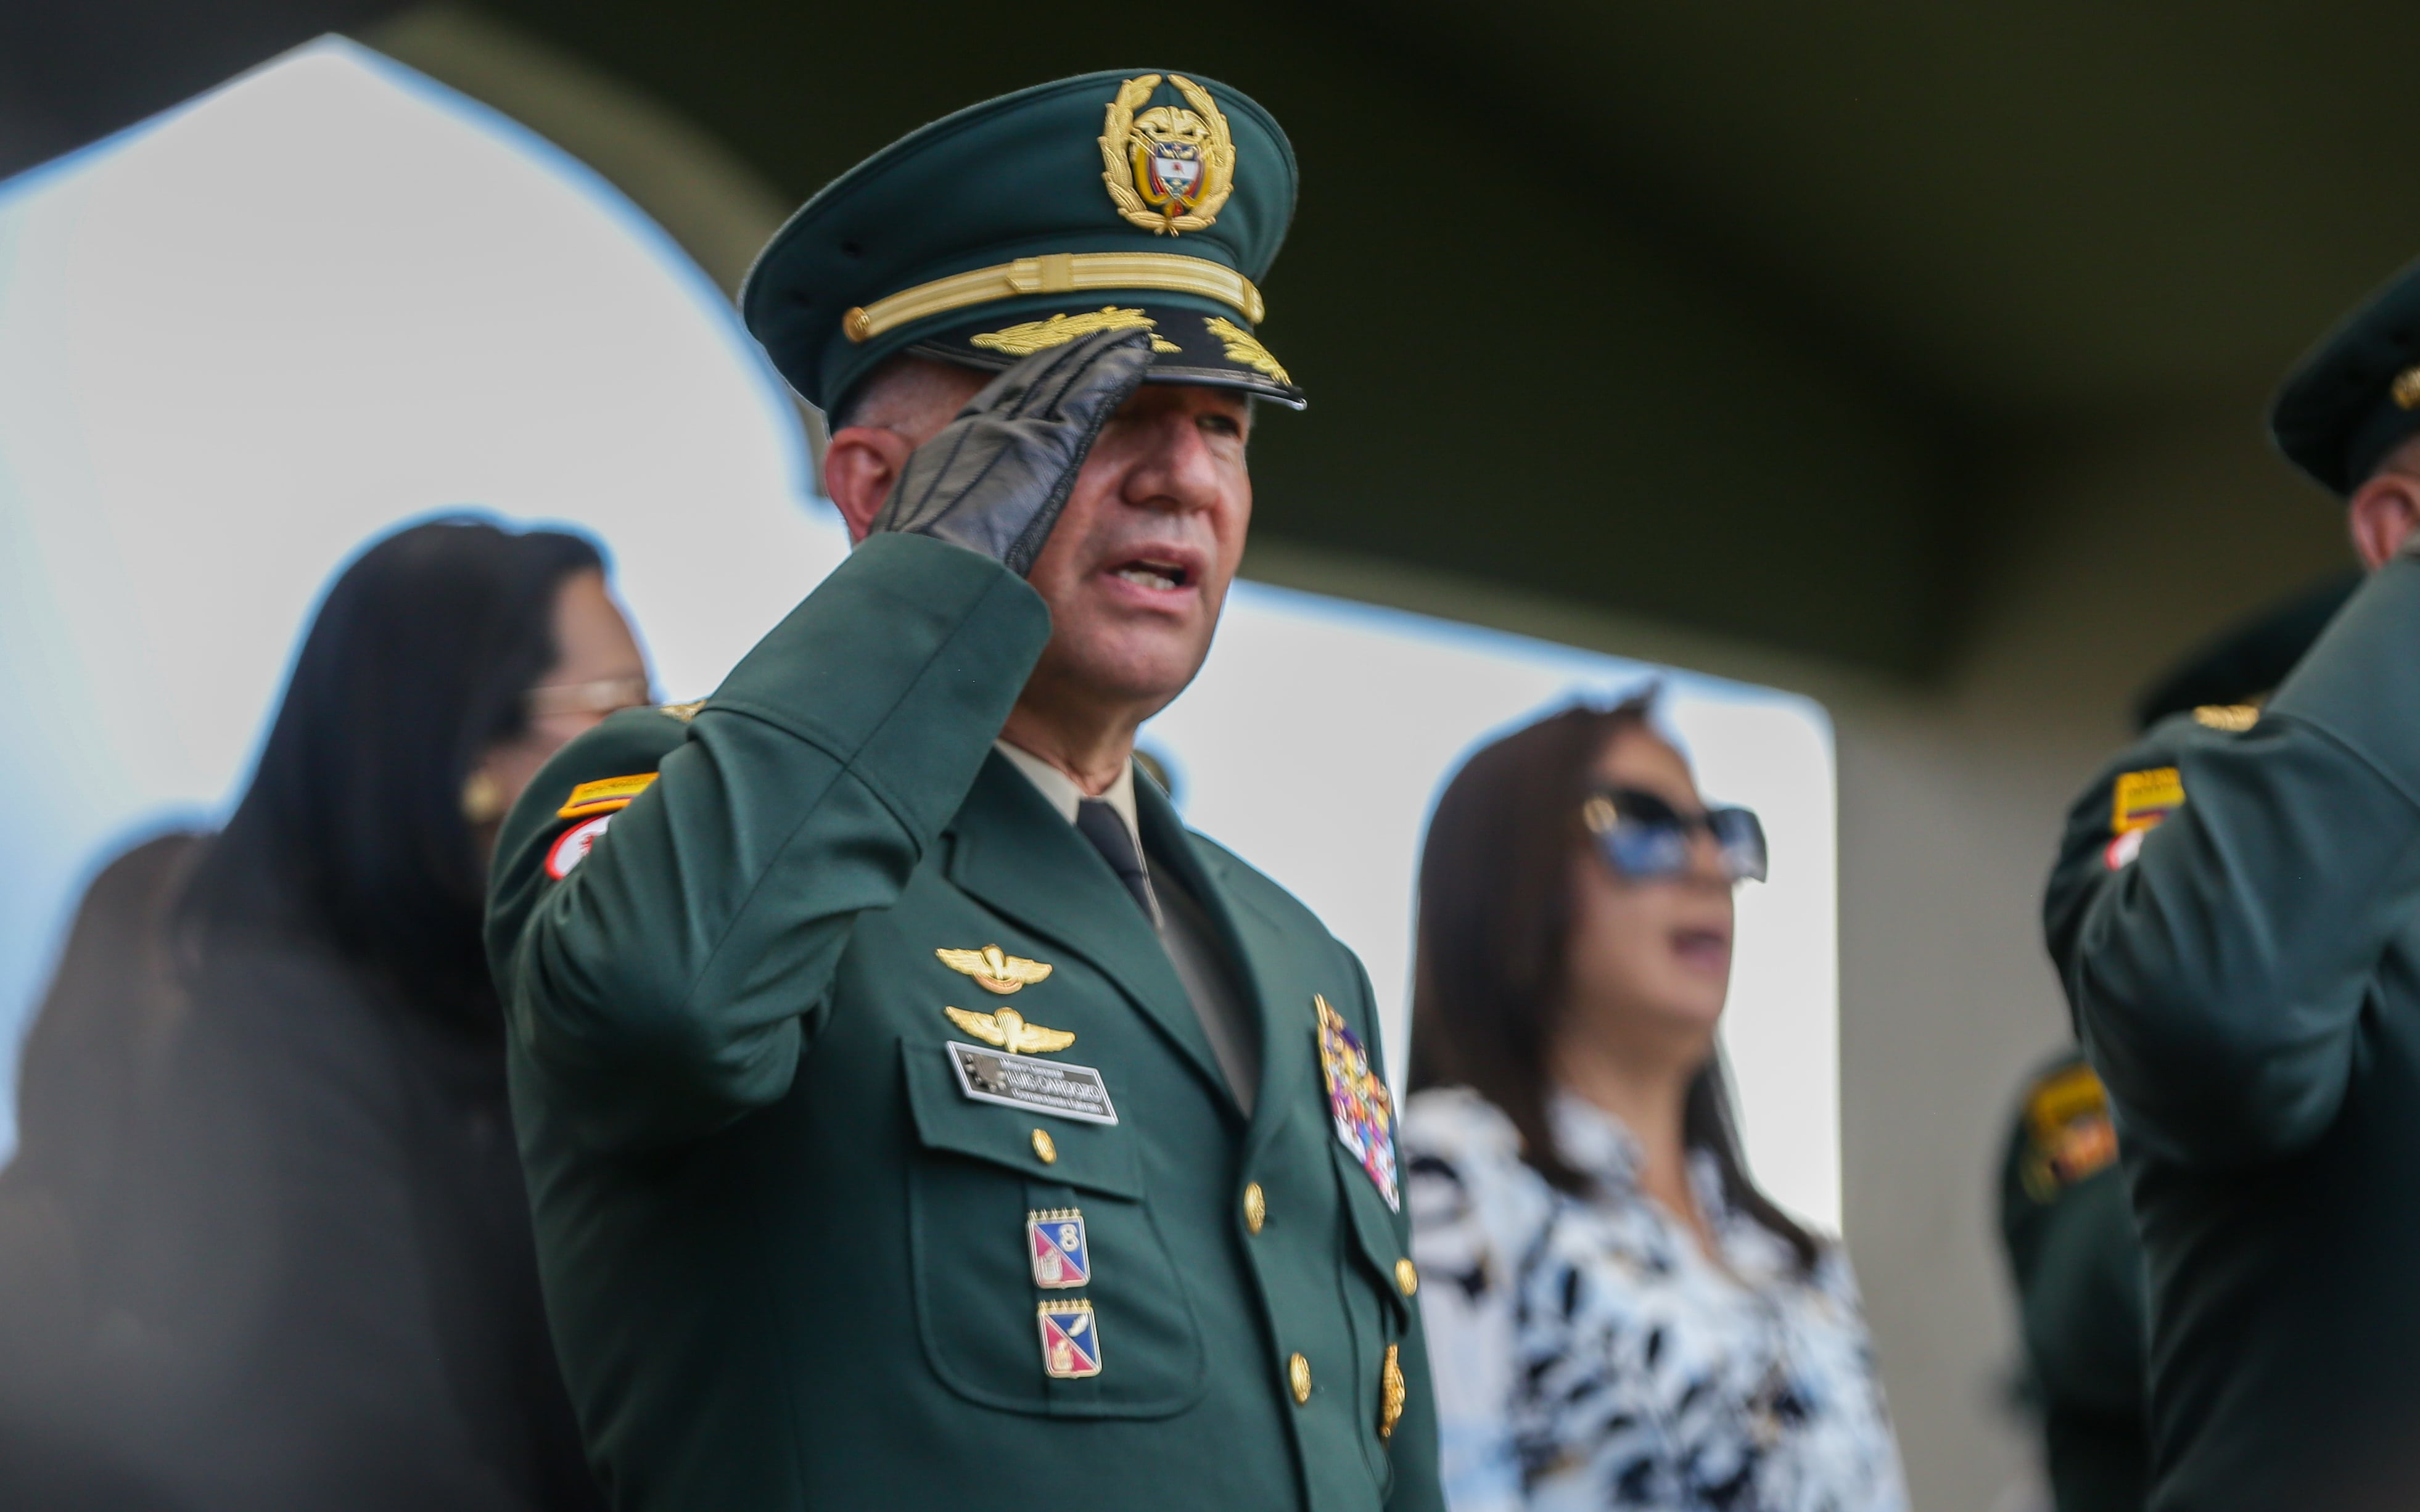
[{"x": 996, "y": 477}]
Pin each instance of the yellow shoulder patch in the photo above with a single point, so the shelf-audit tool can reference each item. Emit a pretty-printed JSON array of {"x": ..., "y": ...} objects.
[
  {"x": 2068, "y": 1131},
  {"x": 2145, "y": 798},
  {"x": 683, "y": 712},
  {"x": 2234, "y": 718},
  {"x": 604, "y": 795}
]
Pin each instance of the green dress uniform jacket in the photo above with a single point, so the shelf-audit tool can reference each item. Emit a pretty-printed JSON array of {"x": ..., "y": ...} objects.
[
  {"x": 2080, "y": 1287},
  {"x": 2248, "y": 986},
  {"x": 785, "y": 1256}
]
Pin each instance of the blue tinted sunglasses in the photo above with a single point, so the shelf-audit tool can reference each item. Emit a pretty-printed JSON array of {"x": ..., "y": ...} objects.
[{"x": 1645, "y": 839}]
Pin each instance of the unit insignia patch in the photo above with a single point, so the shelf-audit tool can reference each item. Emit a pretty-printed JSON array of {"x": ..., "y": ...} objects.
[
  {"x": 1071, "y": 1339},
  {"x": 570, "y": 848},
  {"x": 605, "y": 795},
  {"x": 2070, "y": 1133},
  {"x": 1022, "y": 1082},
  {"x": 2144, "y": 799},
  {"x": 1364, "y": 1112},
  {"x": 1055, "y": 1240},
  {"x": 994, "y": 969}
]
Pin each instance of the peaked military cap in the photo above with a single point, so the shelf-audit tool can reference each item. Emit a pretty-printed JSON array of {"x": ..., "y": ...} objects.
[
  {"x": 1123, "y": 199},
  {"x": 2356, "y": 396}
]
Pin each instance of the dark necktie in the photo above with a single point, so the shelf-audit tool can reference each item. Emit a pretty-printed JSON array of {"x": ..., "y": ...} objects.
[{"x": 1101, "y": 825}]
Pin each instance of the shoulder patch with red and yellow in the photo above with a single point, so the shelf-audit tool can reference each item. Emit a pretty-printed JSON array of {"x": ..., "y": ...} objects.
[
  {"x": 2138, "y": 804},
  {"x": 2069, "y": 1134}
]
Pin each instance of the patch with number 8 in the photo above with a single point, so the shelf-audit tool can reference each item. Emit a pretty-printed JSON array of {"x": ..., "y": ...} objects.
[{"x": 1055, "y": 1240}]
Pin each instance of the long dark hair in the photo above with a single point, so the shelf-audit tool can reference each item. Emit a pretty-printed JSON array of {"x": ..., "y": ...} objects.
[
  {"x": 1495, "y": 929},
  {"x": 353, "y": 831}
]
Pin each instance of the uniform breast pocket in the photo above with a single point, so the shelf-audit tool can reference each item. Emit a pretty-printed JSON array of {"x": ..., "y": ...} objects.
[
  {"x": 1376, "y": 1284},
  {"x": 1042, "y": 1282}
]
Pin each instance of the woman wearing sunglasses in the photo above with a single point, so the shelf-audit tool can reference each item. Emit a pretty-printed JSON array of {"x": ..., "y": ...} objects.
[{"x": 1616, "y": 1316}]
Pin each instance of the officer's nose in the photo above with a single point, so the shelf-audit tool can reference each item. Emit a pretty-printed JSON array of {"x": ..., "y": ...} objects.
[{"x": 1178, "y": 471}]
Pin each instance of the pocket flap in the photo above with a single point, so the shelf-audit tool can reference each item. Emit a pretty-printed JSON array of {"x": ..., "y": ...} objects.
[
  {"x": 1373, "y": 1225},
  {"x": 1099, "y": 1157}
]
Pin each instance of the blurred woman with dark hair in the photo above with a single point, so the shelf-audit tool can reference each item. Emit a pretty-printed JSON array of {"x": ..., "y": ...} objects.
[
  {"x": 306, "y": 1267},
  {"x": 1618, "y": 1317}
]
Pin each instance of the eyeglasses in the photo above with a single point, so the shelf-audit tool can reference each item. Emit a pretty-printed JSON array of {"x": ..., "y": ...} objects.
[
  {"x": 1644, "y": 838},
  {"x": 607, "y": 695}
]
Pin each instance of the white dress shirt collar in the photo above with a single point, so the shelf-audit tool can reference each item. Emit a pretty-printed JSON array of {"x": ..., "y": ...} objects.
[{"x": 1063, "y": 793}]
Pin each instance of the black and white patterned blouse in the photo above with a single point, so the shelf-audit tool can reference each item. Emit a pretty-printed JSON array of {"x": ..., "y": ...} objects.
[{"x": 1587, "y": 1354}]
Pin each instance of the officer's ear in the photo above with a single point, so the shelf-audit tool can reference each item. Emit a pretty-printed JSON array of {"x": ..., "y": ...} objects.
[
  {"x": 2382, "y": 515},
  {"x": 860, "y": 466}
]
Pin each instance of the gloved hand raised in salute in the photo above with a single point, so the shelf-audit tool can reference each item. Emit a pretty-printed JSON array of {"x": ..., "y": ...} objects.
[{"x": 995, "y": 479}]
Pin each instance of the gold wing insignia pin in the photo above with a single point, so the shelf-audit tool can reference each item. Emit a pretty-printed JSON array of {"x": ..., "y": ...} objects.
[
  {"x": 1008, "y": 1029},
  {"x": 994, "y": 970}
]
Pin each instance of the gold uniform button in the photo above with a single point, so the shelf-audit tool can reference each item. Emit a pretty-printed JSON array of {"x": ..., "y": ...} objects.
[
  {"x": 1408, "y": 1277},
  {"x": 1256, "y": 1206},
  {"x": 1298, "y": 1377},
  {"x": 1044, "y": 1146}
]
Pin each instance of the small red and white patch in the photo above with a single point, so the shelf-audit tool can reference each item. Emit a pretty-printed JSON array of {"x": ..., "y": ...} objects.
[
  {"x": 2124, "y": 849},
  {"x": 571, "y": 846}
]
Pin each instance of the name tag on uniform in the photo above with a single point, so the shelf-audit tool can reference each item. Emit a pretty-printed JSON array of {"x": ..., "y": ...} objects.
[{"x": 1028, "y": 1082}]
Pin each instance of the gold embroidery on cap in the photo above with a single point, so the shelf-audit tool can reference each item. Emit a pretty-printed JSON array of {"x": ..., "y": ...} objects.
[
  {"x": 1040, "y": 335},
  {"x": 2405, "y": 391},
  {"x": 1245, "y": 347},
  {"x": 1169, "y": 169}
]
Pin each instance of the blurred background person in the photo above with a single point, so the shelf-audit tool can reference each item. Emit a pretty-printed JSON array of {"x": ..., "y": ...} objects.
[
  {"x": 2069, "y": 1235},
  {"x": 267, "y": 1217},
  {"x": 1619, "y": 1317}
]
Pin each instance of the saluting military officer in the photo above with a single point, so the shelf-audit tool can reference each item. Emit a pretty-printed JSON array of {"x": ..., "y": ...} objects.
[
  {"x": 916, "y": 1114},
  {"x": 2236, "y": 916}
]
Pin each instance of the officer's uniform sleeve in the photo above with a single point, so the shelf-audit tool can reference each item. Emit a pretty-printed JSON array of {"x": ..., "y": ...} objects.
[
  {"x": 2218, "y": 964},
  {"x": 1412, "y": 1447},
  {"x": 668, "y": 981}
]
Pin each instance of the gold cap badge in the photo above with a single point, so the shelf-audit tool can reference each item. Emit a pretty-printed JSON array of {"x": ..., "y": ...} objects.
[
  {"x": 994, "y": 969},
  {"x": 1169, "y": 169},
  {"x": 1008, "y": 1029}
]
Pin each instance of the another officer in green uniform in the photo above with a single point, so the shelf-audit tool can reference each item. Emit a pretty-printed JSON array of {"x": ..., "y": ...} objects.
[
  {"x": 2236, "y": 916},
  {"x": 2078, "y": 1274},
  {"x": 2064, "y": 1216},
  {"x": 917, "y": 1115}
]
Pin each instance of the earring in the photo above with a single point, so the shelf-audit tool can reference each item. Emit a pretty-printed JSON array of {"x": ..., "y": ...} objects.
[{"x": 483, "y": 799}]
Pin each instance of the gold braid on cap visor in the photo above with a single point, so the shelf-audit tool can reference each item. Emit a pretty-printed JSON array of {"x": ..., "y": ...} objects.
[{"x": 1060, "y": 273}]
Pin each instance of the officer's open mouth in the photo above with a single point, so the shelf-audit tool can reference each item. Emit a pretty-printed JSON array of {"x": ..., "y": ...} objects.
[{"x": 1164, "y": 576}]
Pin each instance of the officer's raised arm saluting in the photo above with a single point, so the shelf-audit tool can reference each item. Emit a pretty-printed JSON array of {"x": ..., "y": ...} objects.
[
  {"x": 916, "y": 1114},
  {"x": 2236, "y": 916}
]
